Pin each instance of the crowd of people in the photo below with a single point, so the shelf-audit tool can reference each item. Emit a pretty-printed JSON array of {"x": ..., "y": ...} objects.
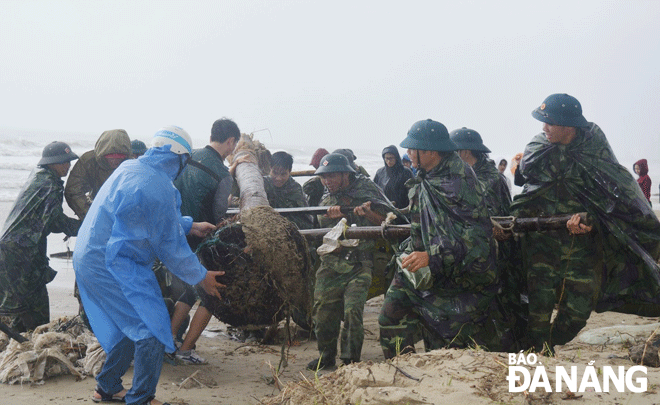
[{"x": 459, "y": 280}]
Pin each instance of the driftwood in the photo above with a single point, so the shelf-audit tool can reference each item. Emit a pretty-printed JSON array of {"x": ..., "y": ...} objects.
[
  {"x": 266, "y": 261},
  {"x": 518, "y": 225}
]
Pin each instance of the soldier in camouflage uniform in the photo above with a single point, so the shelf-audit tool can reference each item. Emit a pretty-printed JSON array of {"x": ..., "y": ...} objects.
[
  {"x": 284, "y": 192},
  {"x": 450, "y": 233},
  {"x": 571, "y": 168},
  {"x": 498, "y": 199},
  {"x": 37, "y": 212},
  {"x": 473, "y": 152},
  {"x": 344, "y": 276}
]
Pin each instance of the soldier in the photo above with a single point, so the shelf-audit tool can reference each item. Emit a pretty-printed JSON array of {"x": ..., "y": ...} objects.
[
  {"x": 284, "y": 192},
  {"x": 472, "y": 151},
  {"x": 450, "y": 240},
  {"x": 570, "y": 168},
  {"x": 348, "y": 154},
  {"x": 24, "y": 269},
  {"x": 344, "y": 276}
]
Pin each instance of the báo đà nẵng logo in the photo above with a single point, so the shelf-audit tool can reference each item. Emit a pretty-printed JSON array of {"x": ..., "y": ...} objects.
[{"x": 608, "y": 378}]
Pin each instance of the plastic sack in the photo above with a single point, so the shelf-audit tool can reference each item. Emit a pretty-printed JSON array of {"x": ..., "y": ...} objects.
[
  {"x": 332, "y": 241},
  {"x": 422, "y": 279}
]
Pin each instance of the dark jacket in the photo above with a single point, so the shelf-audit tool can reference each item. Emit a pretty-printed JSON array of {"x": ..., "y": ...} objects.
[
  {"x": 392, "y": 179},
  {"x": 92, "y": 170}
]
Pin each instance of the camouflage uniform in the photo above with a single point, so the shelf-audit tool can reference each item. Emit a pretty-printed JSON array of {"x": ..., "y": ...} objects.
[
  {"x": 450, "y": 222},
  {"x": 314, "y": 189},
  {"x": 24, "y": 269},
  {"x": 344, "y": 277},
  {"x": 290, "y": 195},
  {"x": 619, "y": 255}
]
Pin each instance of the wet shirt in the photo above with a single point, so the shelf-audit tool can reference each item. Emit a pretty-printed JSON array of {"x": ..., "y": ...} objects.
[{"x": 36, "y": 213}]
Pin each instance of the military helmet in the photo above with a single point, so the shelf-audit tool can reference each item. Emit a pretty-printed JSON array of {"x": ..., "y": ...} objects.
[
  {"x": 428, "y": 135},
  {"x": 334, "y": 163},
  {"x": 468, "y": 139},
  {"x": 175, "y": 136},
  {"x": 561, "y": 109},
  {"x": 56, "y": 152},
  {"x": 138, "y": 147}
]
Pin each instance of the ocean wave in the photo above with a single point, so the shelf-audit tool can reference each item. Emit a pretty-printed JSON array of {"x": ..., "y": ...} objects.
[
  {"x": 32, "y": 143},
  {"x": 25, "y": 165}
]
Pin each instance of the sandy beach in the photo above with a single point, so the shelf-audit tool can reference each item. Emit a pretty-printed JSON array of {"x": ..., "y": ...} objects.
[{"x": 240, "y": 373}]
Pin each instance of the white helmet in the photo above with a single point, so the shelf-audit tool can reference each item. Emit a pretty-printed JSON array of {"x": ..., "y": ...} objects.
[{"x": 175, "y": 136}]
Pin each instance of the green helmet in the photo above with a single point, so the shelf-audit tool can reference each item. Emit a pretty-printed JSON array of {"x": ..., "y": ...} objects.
[
  {"x": 561, "y": 109},
  {"x": 468, "y": 139},
  {"x": 138, "y": 147},
  {"x": 56, "y": 152},
  {"x": 428, "y": 135},
  {"x": 334, "y": 163}
]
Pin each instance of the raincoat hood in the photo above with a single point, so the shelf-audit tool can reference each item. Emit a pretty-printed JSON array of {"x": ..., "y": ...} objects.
[
  {"x": 393, "y": 150},
  {"x": 113, "y": 141},
  {"x": 643, "y": 167},
  {"x": 160, "y": 158}
]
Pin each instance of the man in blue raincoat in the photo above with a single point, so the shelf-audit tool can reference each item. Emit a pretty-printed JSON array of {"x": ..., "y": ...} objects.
[{"x": 134, "y": 219}]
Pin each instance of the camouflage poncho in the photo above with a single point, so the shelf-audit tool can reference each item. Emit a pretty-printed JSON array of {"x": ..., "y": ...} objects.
[
  {"x": 585, "y": 175},
  {"x": 450, "y": 222},
  {"x": 36, "y": 213},
  {"x": 498, "y": 197},
  {"x": 290, "y": 195}
]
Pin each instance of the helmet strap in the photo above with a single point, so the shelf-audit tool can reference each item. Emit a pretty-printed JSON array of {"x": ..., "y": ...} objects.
[{"x": 420, "y": 171}]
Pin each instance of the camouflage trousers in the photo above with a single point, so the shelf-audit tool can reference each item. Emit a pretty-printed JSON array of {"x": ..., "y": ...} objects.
[
  {"x": 339, "y": 294},
  {"x": 37, "y": 314},
  {"x": 460, "y": 320},
  {"x": 561, "y": 271}
]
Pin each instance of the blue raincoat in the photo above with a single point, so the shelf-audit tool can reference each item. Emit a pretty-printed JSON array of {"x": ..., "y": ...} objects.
[{"x": 134, "y": 219}]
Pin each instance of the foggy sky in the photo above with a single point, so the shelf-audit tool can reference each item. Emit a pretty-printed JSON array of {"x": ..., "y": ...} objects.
[{"x": 332, "y": 74}]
